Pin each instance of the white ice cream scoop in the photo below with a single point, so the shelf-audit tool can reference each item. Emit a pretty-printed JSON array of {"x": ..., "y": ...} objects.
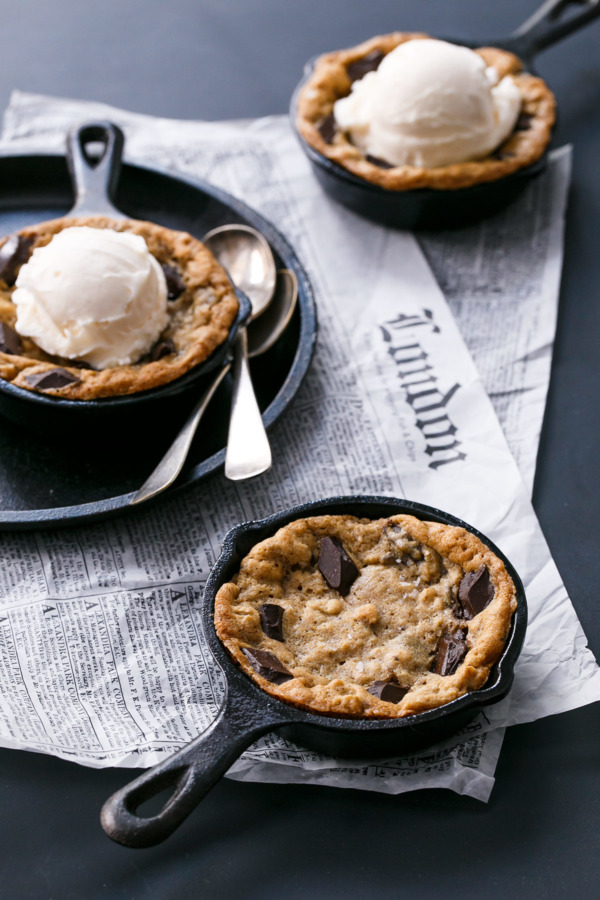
[
  {"x": 430, "y": 103},
  {"x": 92, "y": 294}
]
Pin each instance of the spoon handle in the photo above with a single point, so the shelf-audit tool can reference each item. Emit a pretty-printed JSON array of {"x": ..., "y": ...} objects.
[
  {"x": 172, "y": 462},
  {"x": 248, "y": 451}
]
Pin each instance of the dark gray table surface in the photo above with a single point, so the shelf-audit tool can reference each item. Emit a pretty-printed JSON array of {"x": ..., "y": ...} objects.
[{"x": 539, "y": 836}]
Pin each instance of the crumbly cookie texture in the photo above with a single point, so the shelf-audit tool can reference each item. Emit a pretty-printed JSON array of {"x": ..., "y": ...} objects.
[
  {"x": 419, "y": 614},
  {"x": 330, "y": 80},
  {"x": 201, "y": 310}
]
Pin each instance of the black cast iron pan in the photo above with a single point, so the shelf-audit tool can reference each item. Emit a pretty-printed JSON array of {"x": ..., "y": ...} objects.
[
  {"x": 56, "y": 479},
  {"x": 426, "y": 208},
  {"x": 248, "y": 712},
  {"x": 95, "y": 178}
]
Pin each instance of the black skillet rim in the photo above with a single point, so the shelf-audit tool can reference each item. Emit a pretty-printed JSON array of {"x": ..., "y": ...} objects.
[
  {"x": 355, "y": 505},
  {"x": 94, "y": 510}
]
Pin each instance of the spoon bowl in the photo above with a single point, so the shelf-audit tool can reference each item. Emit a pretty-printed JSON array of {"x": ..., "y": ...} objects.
[
  {"x": 266, "y": 330},
  {"x": 246, "y": 256}
]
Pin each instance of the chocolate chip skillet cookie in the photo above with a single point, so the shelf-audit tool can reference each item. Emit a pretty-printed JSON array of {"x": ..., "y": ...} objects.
[
  {"x": 341, "y": 78},
  {"x": 68, "y": 341},
  {"x": 367, "y": 618}
]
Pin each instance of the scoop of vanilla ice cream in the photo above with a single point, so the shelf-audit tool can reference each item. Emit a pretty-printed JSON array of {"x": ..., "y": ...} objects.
[
  {"x": 429, "y": 104},
  {"x": 92, "y": 294}
]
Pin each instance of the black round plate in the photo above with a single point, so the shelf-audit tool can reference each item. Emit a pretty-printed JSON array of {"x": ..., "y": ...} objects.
[{"x": 50, "y": 481}]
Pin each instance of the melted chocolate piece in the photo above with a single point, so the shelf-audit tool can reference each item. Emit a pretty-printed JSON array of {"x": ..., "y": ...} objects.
[
  {"x": 162, "y": 348},
  {"x": 13, "y": 253},
  {"x": 475, "y": 592},
  {"x": 361, "y": 67},
  {"x": 376, "y": 161},
  {"x": 335, "y": 566},
  {"x": 390, "y": 691},
  {"x": 175, "y": 283},
  {"x": 523, "y": 122},
  {"x": 10, "y": 342},
  {"x": 271, "y": 620},
  {"x": 267, "y": 665},
  {"x": 327, "y": 128},
  {"x": 52, "y": 379},
  {"x": 452, "y": 649}
]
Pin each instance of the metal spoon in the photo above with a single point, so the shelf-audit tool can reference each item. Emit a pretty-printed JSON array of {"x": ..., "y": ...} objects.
[
  {"x": 248, "y": 260},
  {"x": 262, "y": 334}
]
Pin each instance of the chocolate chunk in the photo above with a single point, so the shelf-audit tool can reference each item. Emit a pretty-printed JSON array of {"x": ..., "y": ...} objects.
[
  {"x": 162, "y": 348},
  {"x": 523, "y": 122},
  {"x": 376, "y": 161},
  {"x": 327, "y": 128},
  {"x": 335, "y": 566},
  {"x": 451, "y": 650},
  {"x": 175, "y": 283},
  {"x": 267, "y": 665},
  {"x": 390, "y": 691},
  {"x": 52, "y": 379},
  {"x": 475, "y": 592},
  {"x": 13, "y": 253},
  {"x": 361, "y": 67},
  {"x": 271, "y": 620},
  {"x": 10, "y": 342}
]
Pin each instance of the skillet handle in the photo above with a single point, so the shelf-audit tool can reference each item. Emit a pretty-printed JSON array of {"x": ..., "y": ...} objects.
[
  {"x": 95, "y": 180},
  {"x": 549, "y": 24},
  {"x": 192, "y": 772}
]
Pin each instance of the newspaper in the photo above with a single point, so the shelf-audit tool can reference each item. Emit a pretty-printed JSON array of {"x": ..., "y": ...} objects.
[
  {"x": 101, "y": 650},
  {"x": 500, "y": 279}
]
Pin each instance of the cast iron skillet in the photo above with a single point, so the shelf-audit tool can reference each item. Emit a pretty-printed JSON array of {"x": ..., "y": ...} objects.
[
  {"x": 95, "y": 179},
  {"x": 46, "y": 480},
  {"x": 248, "y": 712},
  {"x": 434, "y": 209}
]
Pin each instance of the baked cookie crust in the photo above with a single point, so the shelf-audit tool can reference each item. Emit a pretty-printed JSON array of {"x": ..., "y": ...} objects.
[
  {"x": 201, "y": 312},
  {"x": 330, "y": 81},
  {"x": 393, "y": 632}
]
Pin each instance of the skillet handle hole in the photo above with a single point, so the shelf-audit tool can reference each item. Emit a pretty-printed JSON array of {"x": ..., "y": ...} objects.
[
  {"x": 151, "y": 807},
  {"x": 94, "y": 152},
  {"x": 94, "y": 143},
  {"x": 152, "y": 799}
]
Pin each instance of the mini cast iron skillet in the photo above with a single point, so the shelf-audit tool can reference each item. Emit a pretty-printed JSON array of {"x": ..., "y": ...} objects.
[
  {"x": 248, "y": 712},
  {"x": 434, "y": 209},
  {"x": 95, "y": 180}
]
